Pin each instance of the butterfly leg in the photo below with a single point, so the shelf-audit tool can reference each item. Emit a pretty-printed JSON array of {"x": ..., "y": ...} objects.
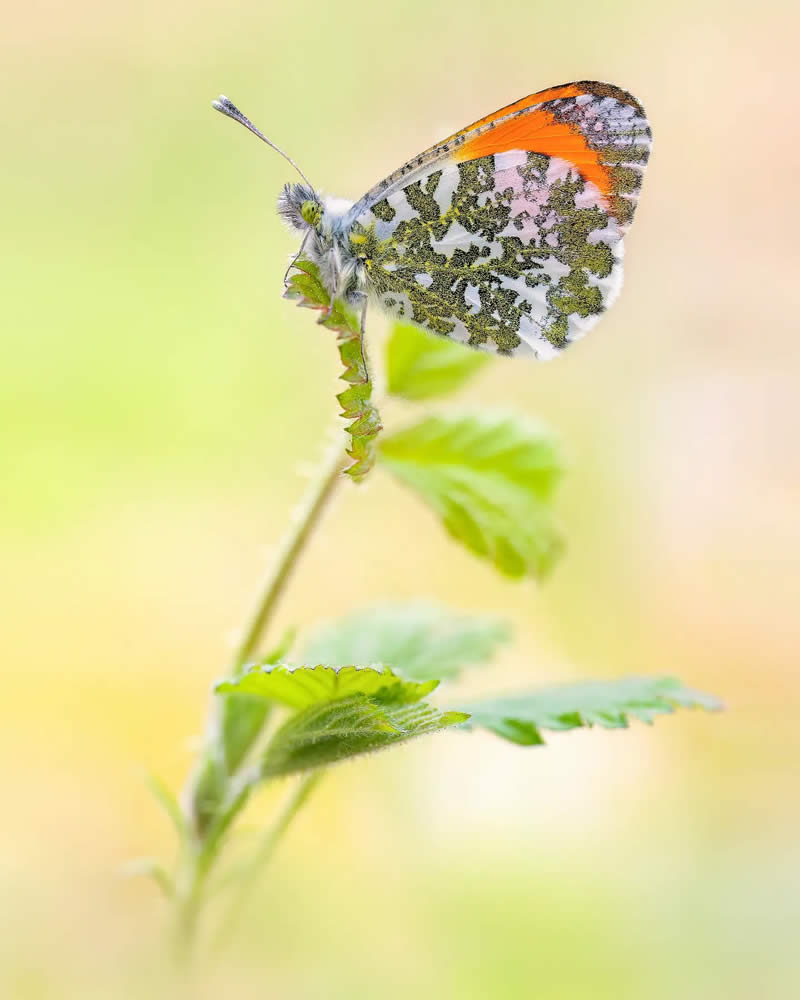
[
  {"x": 359, "y": 294},
  {"x": 294, "y": 260}
]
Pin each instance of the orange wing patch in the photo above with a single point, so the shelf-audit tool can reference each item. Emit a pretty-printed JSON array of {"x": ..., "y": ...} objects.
[
  {"x": 599, "y": 129},
  {"x": 551, "y": 94},
  {"x": 540, "y": 132},
  {"x": 594, "y": 87}
]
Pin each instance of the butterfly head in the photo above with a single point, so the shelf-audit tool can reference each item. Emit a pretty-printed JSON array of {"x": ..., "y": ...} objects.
[{"x": 300, "y": 207}]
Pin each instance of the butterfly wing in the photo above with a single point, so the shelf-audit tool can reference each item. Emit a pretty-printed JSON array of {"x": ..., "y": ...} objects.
[{"x": 508, "y": 235}]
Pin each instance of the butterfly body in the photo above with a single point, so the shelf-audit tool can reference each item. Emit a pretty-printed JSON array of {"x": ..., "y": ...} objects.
[
  {"x": 326, "y": 239},
  {"x": 507, "y": 236}
]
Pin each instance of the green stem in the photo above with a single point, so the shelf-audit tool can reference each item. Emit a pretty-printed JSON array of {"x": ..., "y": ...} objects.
[
  {"x": 199, "y": 857},
  {"x": 277, "y": 575},
  {"x": 201, "y": 852}
]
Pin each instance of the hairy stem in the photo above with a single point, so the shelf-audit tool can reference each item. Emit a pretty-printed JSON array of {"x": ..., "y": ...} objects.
[{"x": 277, "y": 575}]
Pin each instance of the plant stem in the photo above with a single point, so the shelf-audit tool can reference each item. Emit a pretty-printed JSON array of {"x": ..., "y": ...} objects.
[
  {"x": 200, "y": 852},
  {"x": 277, "y": 576}
]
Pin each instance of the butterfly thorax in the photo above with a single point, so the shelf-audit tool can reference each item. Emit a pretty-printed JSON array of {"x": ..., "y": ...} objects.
[{"x": 326, "y": 228}]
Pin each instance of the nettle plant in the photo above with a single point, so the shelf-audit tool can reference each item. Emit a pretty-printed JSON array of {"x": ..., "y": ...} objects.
[{"x": 367, "y": 682}]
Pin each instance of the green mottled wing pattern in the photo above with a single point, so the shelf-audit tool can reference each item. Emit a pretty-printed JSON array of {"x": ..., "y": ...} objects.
[{"x": 516, "y": 252}]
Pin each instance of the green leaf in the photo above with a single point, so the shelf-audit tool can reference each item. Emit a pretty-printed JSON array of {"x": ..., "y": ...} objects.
[
  {"x": 300, "y": 687},
  {"x": 610, "y": 704},
  {"x": 491, "y": 479},
  {"x": 339, "y": 712},
  {"x": 242, "y": 717},
  {"x": 420, "y": 365},
  {"x": 419, "y": 640},
  {"x": 238, "y": 721},
  {"x": 356, "y": 401},
  {"x": 331, "y": 731}
]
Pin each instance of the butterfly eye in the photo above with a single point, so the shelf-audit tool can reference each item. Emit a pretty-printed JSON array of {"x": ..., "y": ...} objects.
[{"x": 311, "y": 212}]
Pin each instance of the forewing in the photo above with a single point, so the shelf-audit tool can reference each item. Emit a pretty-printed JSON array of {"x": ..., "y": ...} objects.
[{"x": 509, "y": 237}]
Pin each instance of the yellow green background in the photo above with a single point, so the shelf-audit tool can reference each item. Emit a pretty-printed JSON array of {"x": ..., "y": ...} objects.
[{"x": 157, "y": 398}]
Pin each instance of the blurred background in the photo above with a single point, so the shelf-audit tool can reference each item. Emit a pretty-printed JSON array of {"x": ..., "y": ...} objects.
[{"x": 147, "y": 474}]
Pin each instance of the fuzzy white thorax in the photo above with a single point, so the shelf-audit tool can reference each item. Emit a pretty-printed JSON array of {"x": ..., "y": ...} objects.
[
  {"x": 326, "y": 239},
  {"x": 336, "y": 207}
]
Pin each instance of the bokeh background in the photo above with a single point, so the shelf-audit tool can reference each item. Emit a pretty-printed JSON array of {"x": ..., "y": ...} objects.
[{"x": 145, "y": 426}]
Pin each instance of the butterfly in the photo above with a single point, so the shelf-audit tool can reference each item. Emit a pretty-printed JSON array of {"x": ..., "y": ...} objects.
[{"x": 507, "y": 236}]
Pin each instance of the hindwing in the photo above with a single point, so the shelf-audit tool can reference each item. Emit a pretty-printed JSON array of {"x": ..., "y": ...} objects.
[{"x": 508, "y": 235}]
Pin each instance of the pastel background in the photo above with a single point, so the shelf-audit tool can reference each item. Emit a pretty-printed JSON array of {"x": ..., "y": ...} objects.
[{"x": 151, "y": 381}]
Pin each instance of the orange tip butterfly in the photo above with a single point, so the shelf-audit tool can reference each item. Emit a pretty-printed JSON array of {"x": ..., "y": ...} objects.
[{"x": 507, "y": 236}]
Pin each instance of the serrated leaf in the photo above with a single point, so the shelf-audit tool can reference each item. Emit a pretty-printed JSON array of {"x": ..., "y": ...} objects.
[
  {"x": 420, "y": 365},
  {"x": 491, "y": 479},
  {"x": 610, "y": 704},
  {"x": 306, "y": 287},
  {"x": 331, "y": 731},
  {"x": 339, "y": 712},
  {"x": 242, "y": 717},
  {"x": 418, "y": 640},
  {"x": 356, "y": 401},
  {"x": 300, "y": 687}
]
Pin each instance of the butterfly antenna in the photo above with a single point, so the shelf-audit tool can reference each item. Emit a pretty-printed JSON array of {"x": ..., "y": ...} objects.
[{"x": 227, "y": 107}]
